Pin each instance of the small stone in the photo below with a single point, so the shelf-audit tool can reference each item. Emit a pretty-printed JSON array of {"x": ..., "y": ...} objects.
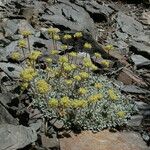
[
  {"x": 58, "y": 124},
  {"x": 50, "y": 143},
  {"x": 135, "y": 121},
  {"x": 128, "y": 77}
]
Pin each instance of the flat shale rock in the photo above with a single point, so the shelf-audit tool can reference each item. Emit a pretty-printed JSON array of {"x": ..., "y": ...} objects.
[
  {"x": 12, "y": 70},
  {"x": 104, "y": 140},
  {"x": 6, "y": 117},
  {"x": 140, "y": 48},
  {"x": 16, "y": 137},
  {"x": 68, "y": 16},
  {"x": 129, "y": 25}
]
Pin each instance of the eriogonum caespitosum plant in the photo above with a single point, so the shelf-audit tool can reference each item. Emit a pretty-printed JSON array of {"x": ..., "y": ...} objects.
[{"x": 70, "y": 91}]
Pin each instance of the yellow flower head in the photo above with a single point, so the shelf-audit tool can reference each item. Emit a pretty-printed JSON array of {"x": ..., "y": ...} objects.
[
  {"x": 87, "y": 46},
  {"x": 98, "y": 85},
  {"x": 22, "y": 43},
  {"x": 73, "y": 54},
  {"x": 48, "y": 60},
  {"x": 105, "y": 63},
  {"x": 63, "y": 47},
  {"x": 63, "y": 59},
  {"x": 53, "y": 103},
  {"x": 52, "y": 30},
  {"x": 56, "y": 37},
  {"x": 24, "y": 85},
  {"x": 121, "y": 114},
  {"x": 94, "y": 67},
  {"x": 82, "y": 91},
  {"x": 112, "y": 94},
  {"x": 69, "y": 67},
  {"x": 77, "y": 77},
  {"x": 34, "y": 55},
  {"x": 108, "y": 47},
  {"x": 84, "y": 75},
  {"x": 97, "y": 55},
  {"x": 79, "y": 103},
  {"x": 15, "y": 56},
  {"x": 67, "y": 37},
  {"x": 42, "y": 86},
  {"x": 54, "y": 52},
  {"x": 95, "y": 98},
  {"x": 78, "y": 35},
  {"x": 87, "y": 62},
  {"x": 68, "y": 82},
  {"x": 28, "y": 74},
  {"x": 65, "y": 101},
  {"x": 26, "y": 33}
]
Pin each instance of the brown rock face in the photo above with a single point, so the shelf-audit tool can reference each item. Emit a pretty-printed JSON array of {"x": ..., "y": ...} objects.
[{"x": 104, "y": 140}]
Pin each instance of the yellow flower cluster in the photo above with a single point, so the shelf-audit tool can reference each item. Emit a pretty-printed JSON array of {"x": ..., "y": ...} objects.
[
  {"x": 78, "y": 35},
  {"x": 15, "y": 56},
  {"x": 73, "y": 54},
  {"x": 52, "y": 30},
  {"x": 53, "y": 102},
  {"x": 112, "y": 94},
  {"x": 97, "y": 55},
  {"x": 105, "y": 63},
  {"x": 87, "y": 62},
  {"x": 64, "y": 47},
  {"x": 54, "y": 52},
  {"x": 34, "y": 55},
  {"x": 87, "y": 46},
  {"x": 24, "y": 85},
  {"x": 79, "y": 103},
  {"x": 108, "y": 47},
  {"x": 67, "y": 37},
  {"x": 63, "y": 59},
  {"x": 56, "y": 37},
  {"x": 28, "y": 74},
  {"x": 69, "y": 67},
  {"x": 68, "y": 82},
  {"x": 84, "y": 75},
  {"x": 22, "y": 43},
  {"x": 82, "y": 91},
  {"x": 77, "y": 77},
  {"x": 26, "y": 33},
  {"x": 65, "y": 102},
  {"x": 121, "y": 114},
  {"x": 48, "y": 60},
  {"x": 98, "y": 85},
  {"x": 95, "y": 98},
  {"x": 42, "y": 86}
]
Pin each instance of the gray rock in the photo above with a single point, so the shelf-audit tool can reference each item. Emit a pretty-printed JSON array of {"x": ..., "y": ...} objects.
[
  {"x": 135, "y": 121},
  {"x": 5, "y": 98},
  {"x": 24, "y": 25},
  {"x": 50, "y": 143},
  {"x": 120, "y": 35},
  {"x": 142, "y": 105},
  {"x": 6, "y": 117},
  {"x": 37, "y": 125},
  {"x": 10, "y": 26},
  {"x": 134, "y": 89},
  {"x": 96, "y": 9},
  {"x": 139, "y": 60},
  {"x": 12, "y": 70},
  {"x": 65, "y": 15},
  {"x": 58, "y": 124},
  {"x": 129, "y": 25},
  {"x": 16, "y": 137},
  {"x": 140, "y": 48}
]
